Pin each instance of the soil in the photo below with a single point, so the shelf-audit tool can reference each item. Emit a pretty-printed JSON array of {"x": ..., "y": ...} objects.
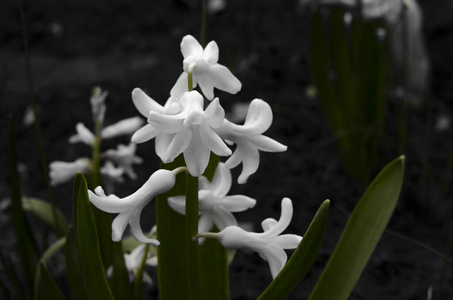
[{"x": 117, "y": 45}]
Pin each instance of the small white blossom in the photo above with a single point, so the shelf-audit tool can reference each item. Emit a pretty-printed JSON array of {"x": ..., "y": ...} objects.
[
  {"x": 112, "y": 172},
  {"x": 269, "y": 245},
  {"x": 206, "y": 71},
  {"x": 214, "y": 205},
  {"x": 129, "y": 209},
  {"x": 249, "y": 139},
  {"x": 60, "y": 171},
  {"x": 125, "y": 157},
  {"x": 123, "y": 127},
  {"x": 84, "y": 135},
  {"x": 191, "y": 132}
]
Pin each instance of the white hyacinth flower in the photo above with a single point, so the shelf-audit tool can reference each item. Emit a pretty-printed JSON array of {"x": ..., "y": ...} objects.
[
  {"x": 125, "y": 157},
  {"x": 214, "y": 205},
  {"x": 206, "y": 71},
  {"x": 60, "y": 171},
  {"x": 83, "y": 135},
  {"x": 114, "y": 173},
  {"x": 130, "y": 208},
  {"x": 269, "y": 245},
  {"x": 249, "y": 139},
  {"x": 123, "y": 127},
  {"x": 191, "y": 132}
]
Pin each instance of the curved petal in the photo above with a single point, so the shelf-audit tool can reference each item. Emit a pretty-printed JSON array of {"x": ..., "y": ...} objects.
[
  {"x": 203, "y": 183},
  {"x": 196, "y": 155},
  {"x": 221, "y": 182},
  {"x": 191, "y": 47},
  {"x": 212, "y": 141},
  {"x": 234, "y": 160},
  {"x": 220, "y": 77},
  {"x": 111, "y": 204},
  {"x": 237, "y": 203},
  {"x": 205, "y": 223},
  {"x": 211, "y": 53},
  {"x": 250, "y": 160},
  {"x": 222, "y": 218},
  {"x": 144, "y": 134},
  {"x": 178, "y": 204},
  {"x": 259, "y": 117},
  {"x": 166, "y": 123},
  {"x": 268, "y": 223},
  {"x": 285, "y": 219},
  {"x": 144, "y": 103},
  {"x": 179, "y": 143},
  {"x": 119, "y": 224},
  {"x": 206, "y": 85},
  {"x": 215, "y": 114},
  {"x": 267, "y": 144},
  {"x": 180, "y": 87},
  {"x": 137, "y": 232},
  {"x": 162, "y": 143},
  {"x": 126, "y": 126},
  {"x": 83, "y": 135},
  {"x": 288, "y": 241},
  {"x": 275, "y": 256}
]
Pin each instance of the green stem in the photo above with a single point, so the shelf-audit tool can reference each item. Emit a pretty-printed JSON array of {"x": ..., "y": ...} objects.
[
  {"x": 203, "y": 23},
  {"x": 191, "y": 231},
  {"x": 190, "y": 77},
  {"x": 96, "y": 171}
]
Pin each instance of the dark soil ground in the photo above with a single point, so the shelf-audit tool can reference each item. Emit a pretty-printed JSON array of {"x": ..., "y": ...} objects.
[{"x": 119, "y": 46}]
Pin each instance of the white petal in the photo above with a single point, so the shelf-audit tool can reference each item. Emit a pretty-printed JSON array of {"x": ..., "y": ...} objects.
[
  {"x": 250, "y": 160},
  {"x": 215, "y": 114},
  {"x": 191, "y": 47},
  {"x": 222, "y": 78},
  {"x": 285, "y": 219},
  {"x": 144, "y": 134},
  {"x": 267, "y": 144},
  {"x": 196, "y": 155},
  {"x": 211, "y": 53},
  {"x": 237, "y": 203},
  {"x": 179, "y": 143},
  {"x": 288, "y": 241},
  {"x": 203, "y": 183},
  {"x": 119, "y": 224},
  {"x": 163, "y": 141},
  {"x": 83, "y": 135},
  {"x": 206, "y": 85},
  {"x": 276, "y": 257},
  {"x": 111, "y": 204},
  {"x": 126, "y": 126},
  {"x": 234, "y": 160},
  {"x": 178, "y": 204},
  {"x": 268, "y": 224},
  {"x": 137, "y": 232},
  {"x": 212, "y": 141},
  {"x": 166, "y": 123},
  {"x": 205, "y": 223},
  {"x": 259, "y": 117},
  {"x": 222, "y": 218},
  {"x": 221, "y": 182},
  {"x": 144, "y": 103},
  {"x": 181, "y": 86}
]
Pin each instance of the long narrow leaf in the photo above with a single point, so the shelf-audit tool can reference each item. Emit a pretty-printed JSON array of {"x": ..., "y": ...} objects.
[
  {"x": 361, "y": 234},
  {"x": 73, "y": 268},
  {"x": 12, "y": 276},
  {"x": 28, "y": 249},
  {"x": 88, "y": 247},
  {"x": 43, "y": 210},
  {"x": 302, "y": 259},
  {"x": 50, "y": 288}
]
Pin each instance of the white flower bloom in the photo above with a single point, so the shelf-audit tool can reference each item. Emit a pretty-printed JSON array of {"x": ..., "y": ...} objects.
[
  {"x": 206, "y": 71},
  {"x": 83, "y": 135},
  {"x": 130, "y": 208},
  {"x": 249, "y": 139},
  {"x": 112, "y": 172},
  {"x": 97, "y": 101},
  {"x": 269, "y": 245},
  {"x": 133, "y": 261},
  {"x": 191, "y": 132},
  {"x": 125, "y": 157},
  {"x": 123, "y": 127},
  {"x": 60, "y": 171},
  {"x": 214, "y": 205}
]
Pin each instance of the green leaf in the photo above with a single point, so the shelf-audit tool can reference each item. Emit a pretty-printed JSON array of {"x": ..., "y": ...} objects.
[
  {"x": 129, "y": 243},
  {"x": 50, "y": 288},
  {"x": 73, "y": 268},
  {"x": 361, "y": 234},
  {"x": 121, "y": 287},
  {"x": 138, "y": 281},
  {"x": 88, "y": 246},
  {"x": 12, "y": 276},
  {"x": 302, "y": 259},
  {"x": 28, "y": 249},
  {"x": 43, "y": 210}
]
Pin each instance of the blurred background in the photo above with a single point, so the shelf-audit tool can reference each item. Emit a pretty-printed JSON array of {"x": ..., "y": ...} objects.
[{"x": 119, "y": 45}]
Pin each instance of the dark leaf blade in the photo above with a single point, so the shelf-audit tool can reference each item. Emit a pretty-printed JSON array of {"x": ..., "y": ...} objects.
[
  {"x": 50, "y": 289},
  {"x": 43, "y": 210},
  {"x": 73, "y": 268},
  {"x": 88, "y": 247},
  {"x": 361, "y": 234},
  {"x": 302, "y": 259}
]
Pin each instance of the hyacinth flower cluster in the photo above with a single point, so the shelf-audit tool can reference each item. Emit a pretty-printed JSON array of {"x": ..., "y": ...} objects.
[
  {"x": 117, "y": 162},
  {"x": 184, "y": 126}
]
